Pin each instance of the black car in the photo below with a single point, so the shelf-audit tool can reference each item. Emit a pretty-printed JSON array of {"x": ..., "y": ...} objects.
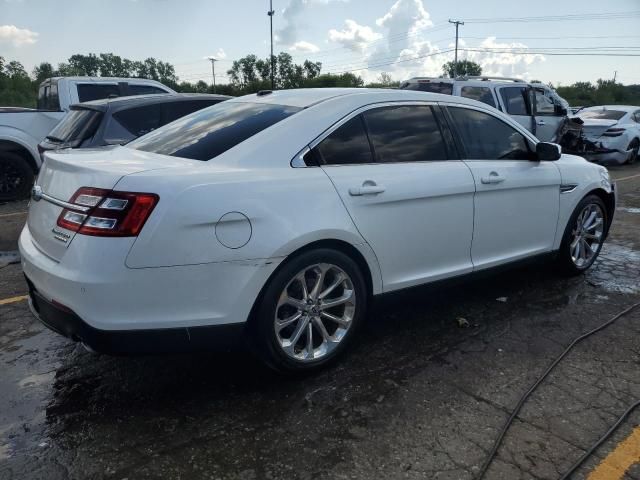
[{"x": 119, "y": 120}]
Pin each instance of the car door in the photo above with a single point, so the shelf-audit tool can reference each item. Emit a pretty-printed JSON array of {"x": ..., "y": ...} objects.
[
  {"x": 516, "y": 102},
  {"x": 413, "y": 205},
  {"x": 547, "y": 117},
  {"x": 517, "y": 198}
]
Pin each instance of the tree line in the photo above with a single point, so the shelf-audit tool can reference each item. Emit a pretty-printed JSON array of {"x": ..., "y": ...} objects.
[{"x": 251, "y": 74}]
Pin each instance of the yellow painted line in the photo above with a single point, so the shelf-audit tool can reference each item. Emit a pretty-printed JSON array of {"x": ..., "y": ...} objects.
[
  {"x": 7, "y": 301},
  {"x": 626, "y": 178},
  {"x": 621, "y": 459},
  {"x": 14, "y": 214}
]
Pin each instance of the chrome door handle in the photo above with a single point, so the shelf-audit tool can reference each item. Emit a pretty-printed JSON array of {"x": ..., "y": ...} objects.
[
  {"x": 368, "y": 188},
  {"x": 493, "y": 178},
  {"x": 540, "y": 123}
]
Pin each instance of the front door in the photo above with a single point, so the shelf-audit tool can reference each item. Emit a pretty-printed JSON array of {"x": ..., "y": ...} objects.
[
  {"x": 517, "y": 198},
  {"x": 411, "y": 203}
]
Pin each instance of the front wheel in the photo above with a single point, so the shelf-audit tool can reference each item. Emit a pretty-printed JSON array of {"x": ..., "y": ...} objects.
[
  {"x": 583, "y": 236},
  {"x": 634, "y": 146},
  {"x": 309, "y": 311}
]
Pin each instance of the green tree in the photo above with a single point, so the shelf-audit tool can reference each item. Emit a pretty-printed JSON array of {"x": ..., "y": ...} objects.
[{"x": 463, "y": 67}]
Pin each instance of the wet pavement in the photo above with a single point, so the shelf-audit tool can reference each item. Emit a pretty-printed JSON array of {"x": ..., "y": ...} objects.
[{"x": 417, "y": 397}]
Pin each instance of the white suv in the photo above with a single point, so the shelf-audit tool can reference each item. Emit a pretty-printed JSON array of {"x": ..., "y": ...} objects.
[{"x": 535, "y": 106}]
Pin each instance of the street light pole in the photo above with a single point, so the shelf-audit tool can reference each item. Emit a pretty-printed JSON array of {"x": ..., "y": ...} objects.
[
  {"x": 213, "y": 71},
  {"x": 271, "y": 12},
  {"x": 457, "y": 23}
]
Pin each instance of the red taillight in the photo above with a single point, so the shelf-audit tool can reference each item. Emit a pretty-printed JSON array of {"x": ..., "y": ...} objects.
[
  {"x": 614, "y": 132},
  {"x": 107, "y": 213}
]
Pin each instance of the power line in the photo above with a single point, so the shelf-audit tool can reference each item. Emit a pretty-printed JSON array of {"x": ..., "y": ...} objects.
[{"x": 558, "y": 18}]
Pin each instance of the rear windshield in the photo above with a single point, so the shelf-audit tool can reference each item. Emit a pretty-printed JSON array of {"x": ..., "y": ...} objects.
[
  {"x": 602, "y": 114},
  {"x": 207, "y": 133},
  {"x": 433, "y": 87},
  {"x": 77, "y": 126}
]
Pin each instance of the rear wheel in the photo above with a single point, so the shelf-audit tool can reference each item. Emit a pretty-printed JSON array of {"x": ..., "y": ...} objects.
[
  {"x": 635, "y": 147},
  {"x": 583, "y": 236},
  {"x": 309, "y": 311},
  {"x": 16, "y": 177}
]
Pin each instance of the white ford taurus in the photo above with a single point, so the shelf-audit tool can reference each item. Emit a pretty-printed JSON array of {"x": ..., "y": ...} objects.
[{"x": 277, "y": 216}]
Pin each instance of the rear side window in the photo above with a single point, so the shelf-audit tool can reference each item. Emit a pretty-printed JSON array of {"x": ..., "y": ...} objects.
[
  {"x": 176, "y": 110},
  {"x": 433, "y": 87},
  {"x": 347, "y": 145},
  {"x": 405, "y": 134},
  {"x": 208, "y": 133},
  {"x": 96, "y": 91},
  {"x": 515, "y": 100},
  {"x": 486, "y": 137},
  {"x": 145, "y": 90},
  {"x": 482, "y": 94},
  {"x": 76, "y": 127},
  {"x": 140, "y": 120}
]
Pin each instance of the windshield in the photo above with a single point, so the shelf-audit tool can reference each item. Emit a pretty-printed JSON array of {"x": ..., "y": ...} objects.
[
  {"x": 77, "y": 126},
  {"x": 602, "y": 114},
  {"x": 207, "y": 133}
]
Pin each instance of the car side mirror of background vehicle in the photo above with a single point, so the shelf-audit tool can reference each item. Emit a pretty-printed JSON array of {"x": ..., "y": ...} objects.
[
  {"x": 546, "y": 151},
  {"x": 560, "y": 111}
]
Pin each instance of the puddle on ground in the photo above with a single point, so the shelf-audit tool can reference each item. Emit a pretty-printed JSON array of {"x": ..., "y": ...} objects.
[
  {"x": 629, "y": 209},
  {"x": 617, "y": 269}
]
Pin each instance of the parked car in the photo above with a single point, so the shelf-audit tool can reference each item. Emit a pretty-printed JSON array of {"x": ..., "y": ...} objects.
[
  {"x": 536, "y": 106},
  {"x": 611, "y": 133},
  {"x": 275, "y": 217},
  {"x": 21, "y": 129},
  {"x": 116, "y": 121}
]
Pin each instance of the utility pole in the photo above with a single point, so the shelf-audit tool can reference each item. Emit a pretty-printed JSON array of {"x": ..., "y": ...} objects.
[
  {"x": 457, "y": 23},
  {"x": 213, "y": 71},
  {"x": 615, "y": 74},
  {"x": 271, "y": 12}
]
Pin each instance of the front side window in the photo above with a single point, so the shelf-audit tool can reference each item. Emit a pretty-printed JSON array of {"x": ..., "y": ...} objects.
[
  {"x": 428, "y": 86},
  {"x": 515, "y": 100},
  {"x": 405, "y": 134},
  {"x": 486, "y": 137},
  {"x": 208, "y": 133},
  {"x": 347, "y": 145},
  {"x": 97, "y": 91},
  {"x": 544, "y": 104},
  {"x": 482, "y": 94}
]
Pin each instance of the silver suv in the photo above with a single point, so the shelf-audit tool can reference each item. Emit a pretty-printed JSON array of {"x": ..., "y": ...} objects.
[{"x": 535, "y": 106}]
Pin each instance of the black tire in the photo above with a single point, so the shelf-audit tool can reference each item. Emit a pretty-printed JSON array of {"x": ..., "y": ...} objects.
[
  {"x": 262, "y": 330},
  {"x": 565, "y": 260},
  {"x": 635, "y": 145},
  {"x": 16, "y": 177}
]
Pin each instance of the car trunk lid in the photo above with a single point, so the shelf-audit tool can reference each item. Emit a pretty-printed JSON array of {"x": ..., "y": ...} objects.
[
  {"x": 594, "y": 128},
  {"x": 66, "y": 171}
]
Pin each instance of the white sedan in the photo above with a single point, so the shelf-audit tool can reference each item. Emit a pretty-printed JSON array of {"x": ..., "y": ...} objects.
[
  {"x": 612, "y": 133},
  {"x": 277, "y": 216}
]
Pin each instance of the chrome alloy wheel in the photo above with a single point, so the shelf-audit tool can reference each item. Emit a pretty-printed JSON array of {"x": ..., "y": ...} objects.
[
  {"x": 587, "y": 235},
  {"x": 314, "y": 312}
]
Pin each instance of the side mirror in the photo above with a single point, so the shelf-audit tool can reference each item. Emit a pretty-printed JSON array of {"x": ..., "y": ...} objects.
[
  {"x": 549, "y": 152},
  {"x": 560, "y": 111}
]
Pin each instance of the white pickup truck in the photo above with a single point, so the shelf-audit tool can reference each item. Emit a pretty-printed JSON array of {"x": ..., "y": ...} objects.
[{"x": 22, "y": 129}]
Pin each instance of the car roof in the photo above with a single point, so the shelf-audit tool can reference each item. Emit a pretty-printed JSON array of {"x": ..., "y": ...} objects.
[
  {"x": 119, "y": 103},
  {"x": 307, "y": 97},
  {"x": 474, "y": 80}
]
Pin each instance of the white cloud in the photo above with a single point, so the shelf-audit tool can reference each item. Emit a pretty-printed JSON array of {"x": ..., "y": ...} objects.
[
  {"x": 303, "y": 46},
  {"x": 221, "y": 54},
  {"x": 17, "y": 36},
  {"x": 293, "y": 16},
  {"x": 354, "y": 37},
  {"x": 499, "y": 61}
]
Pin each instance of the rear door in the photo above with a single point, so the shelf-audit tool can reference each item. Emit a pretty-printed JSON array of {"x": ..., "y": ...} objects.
[
  {"x": 517, "y": 199},
  {"x": 412, "y": 204}
]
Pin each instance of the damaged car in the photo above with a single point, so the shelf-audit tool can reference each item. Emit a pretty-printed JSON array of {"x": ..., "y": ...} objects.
[{"x": 610, "y": 133}]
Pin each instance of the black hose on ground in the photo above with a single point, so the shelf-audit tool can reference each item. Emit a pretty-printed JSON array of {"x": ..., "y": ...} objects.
[{"x": 525, "y": 397}]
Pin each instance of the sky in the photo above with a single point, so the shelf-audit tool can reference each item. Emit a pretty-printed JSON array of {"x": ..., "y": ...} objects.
[{"x": 403, "y": 38}]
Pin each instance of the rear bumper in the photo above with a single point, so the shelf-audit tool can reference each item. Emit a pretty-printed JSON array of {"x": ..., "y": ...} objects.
[{"x": 125, "y": 342}]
